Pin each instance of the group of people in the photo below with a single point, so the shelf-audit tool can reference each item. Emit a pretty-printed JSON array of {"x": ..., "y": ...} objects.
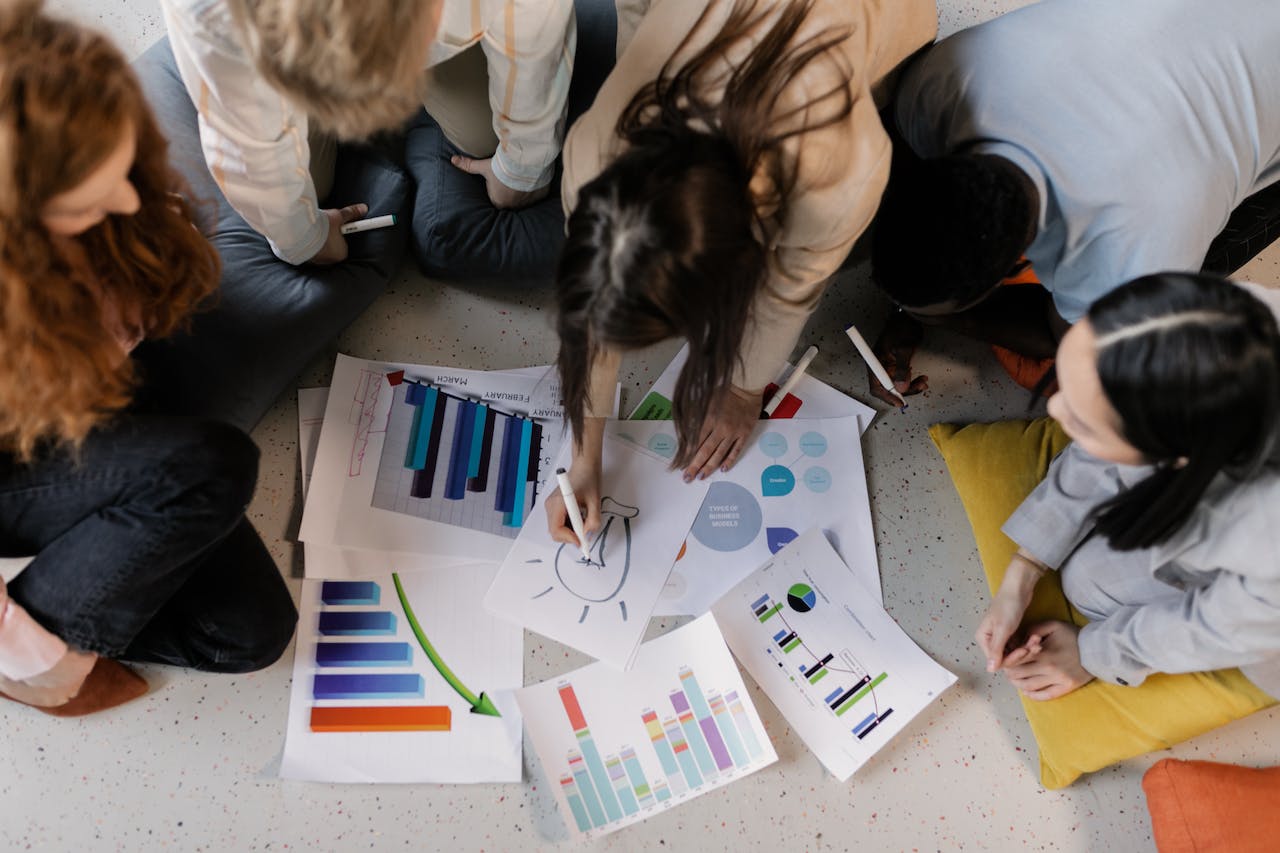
[{"x": 716, "y": 160}]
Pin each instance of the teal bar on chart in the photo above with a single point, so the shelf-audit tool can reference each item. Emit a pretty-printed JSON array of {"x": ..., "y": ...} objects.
[
  {"x": 729, "y": 731},
  {"x": 744, "y": 724},
  {"x": 570, "y": 789},
  {"x": 521, "y": 476},
  {"x": 421, "y": 440},
  {"x": 578, "y": 768},
  {"x": 636, "y": 773},
  {"x": 618, "y": 778},
  {"x": 599, "y": 775},
  {"x": 683, "y": 753}
]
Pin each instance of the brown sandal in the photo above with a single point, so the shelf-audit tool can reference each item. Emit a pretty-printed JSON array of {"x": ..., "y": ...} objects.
[{"x": 109, "y": 683}]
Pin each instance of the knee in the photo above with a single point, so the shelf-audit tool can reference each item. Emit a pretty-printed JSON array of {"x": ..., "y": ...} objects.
[{"x": 215, "y": 465}]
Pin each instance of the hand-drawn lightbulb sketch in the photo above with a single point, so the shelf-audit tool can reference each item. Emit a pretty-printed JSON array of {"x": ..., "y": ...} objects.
[{"x": 601, "y": 578}]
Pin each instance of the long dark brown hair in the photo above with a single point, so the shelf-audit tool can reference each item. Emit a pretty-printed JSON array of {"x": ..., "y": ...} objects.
[
  {"x": 67, "y": 96},
  {"x": 670, "y": 239}
]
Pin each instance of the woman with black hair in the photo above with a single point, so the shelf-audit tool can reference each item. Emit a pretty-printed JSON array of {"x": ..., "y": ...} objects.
[
  {"x": 1163, "y": 516},
  {"x": 722, "y": 174}
]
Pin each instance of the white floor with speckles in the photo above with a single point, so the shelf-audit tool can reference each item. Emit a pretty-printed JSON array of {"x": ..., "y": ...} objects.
[{"x": 193, "y": 765}]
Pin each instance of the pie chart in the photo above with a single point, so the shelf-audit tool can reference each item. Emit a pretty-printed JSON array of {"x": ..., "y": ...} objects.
[{"x": 801, "y": 597}]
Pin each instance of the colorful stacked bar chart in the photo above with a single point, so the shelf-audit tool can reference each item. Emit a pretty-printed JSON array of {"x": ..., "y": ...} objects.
[
  {"x": 336, "y": 653},
  {"x": 458, "y": 461},
  {"x": 602, "y": 789}
]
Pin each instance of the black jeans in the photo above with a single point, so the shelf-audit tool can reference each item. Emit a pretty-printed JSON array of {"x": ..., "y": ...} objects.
[{"x": 144, "y": 551}]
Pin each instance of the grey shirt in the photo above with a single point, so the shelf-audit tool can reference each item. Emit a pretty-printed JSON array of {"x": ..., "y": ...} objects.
[
  {"x": 1142, "y": 123},
  {"x": 1207, "y": 598}
]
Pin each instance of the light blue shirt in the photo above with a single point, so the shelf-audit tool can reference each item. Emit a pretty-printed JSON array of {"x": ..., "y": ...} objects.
[{"x": 1143, "y": 123}]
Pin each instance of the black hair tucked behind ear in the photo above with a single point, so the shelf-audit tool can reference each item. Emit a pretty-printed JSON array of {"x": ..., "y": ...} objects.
[{"x": 1191, "y": 363}]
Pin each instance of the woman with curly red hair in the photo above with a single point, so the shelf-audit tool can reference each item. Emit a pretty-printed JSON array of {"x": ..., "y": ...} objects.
[{"x": 137, "y": 520}]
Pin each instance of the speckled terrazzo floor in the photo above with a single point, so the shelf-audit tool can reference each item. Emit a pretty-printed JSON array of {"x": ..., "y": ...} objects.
[{"x": 193, "y": 765}]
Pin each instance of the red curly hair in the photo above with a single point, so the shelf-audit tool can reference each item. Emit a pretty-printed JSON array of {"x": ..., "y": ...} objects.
[{"x": 67, "y": 97}]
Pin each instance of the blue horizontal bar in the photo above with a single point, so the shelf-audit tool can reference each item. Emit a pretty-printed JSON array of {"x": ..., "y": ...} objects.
[
  {"x": 760, "y": 602},
  {"x": 349, "y": 592},
  {"x": 357, "y": 623},
  {"x": 778, "y": 636},
  {"x": 394, "y": 686},
  {"x": 871, "y": 718},
  {"x": 363, "y": 654},
  {"x": 833, "y": 695}
]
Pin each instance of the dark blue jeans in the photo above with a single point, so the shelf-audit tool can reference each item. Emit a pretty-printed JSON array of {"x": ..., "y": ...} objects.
[{"x": 144, "y": 551}]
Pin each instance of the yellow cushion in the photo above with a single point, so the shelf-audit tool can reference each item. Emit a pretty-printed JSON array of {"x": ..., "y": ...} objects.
[{"x": 994, "y": 467}]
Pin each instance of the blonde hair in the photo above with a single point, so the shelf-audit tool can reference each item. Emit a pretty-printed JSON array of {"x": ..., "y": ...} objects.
[
  {"x": 67, "y": 96},
  {"x": 353, "y": 66}
]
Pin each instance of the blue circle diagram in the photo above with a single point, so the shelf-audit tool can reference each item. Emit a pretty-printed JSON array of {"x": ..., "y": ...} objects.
[
  {"x": 773, "y": 444},
  {"x": 776, "y": 481},
  {"x": 813, "y": 444},
  {"x": 818, "y": 479},
  {"x": 730, "y": 518},
  {"x": 663, "y": 444}
]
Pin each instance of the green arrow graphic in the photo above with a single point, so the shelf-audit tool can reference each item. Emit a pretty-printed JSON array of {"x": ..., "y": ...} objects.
[{"x": 481, "y": 704}]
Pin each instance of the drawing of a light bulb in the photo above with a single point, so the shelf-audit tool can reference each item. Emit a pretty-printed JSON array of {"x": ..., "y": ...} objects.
[{"x": 603, "y": 577}]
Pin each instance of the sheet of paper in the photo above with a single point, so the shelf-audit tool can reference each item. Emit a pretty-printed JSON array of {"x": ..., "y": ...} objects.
[
  {"x": 351, "y": 467},
  {"x": 311, "y": 403},
  {"x": 794, "y": 474},
  {"x": 809, "y": 399},
  {"x": 376, "y": 699},
  {"x": 601, "y": 606},
  {"x": 823, "y": 649},
  {"x": 621, "y": 747}
]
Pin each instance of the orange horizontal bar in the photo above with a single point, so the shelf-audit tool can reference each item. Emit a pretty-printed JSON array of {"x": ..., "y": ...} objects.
[{"x": 402, "y": 718}]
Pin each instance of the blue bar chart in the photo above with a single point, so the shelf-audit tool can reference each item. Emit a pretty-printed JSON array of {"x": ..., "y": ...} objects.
[{"x": 458, "y": 461}]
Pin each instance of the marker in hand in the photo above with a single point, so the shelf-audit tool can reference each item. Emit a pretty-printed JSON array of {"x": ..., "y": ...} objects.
[
  {"x": 575, "y": 515},
  {"x": 877, "y": 369},
  {"x": 369, "y": 224}
]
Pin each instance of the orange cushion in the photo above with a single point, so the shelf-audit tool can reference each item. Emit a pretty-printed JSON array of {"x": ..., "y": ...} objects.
[{"x": 1206, "y": 807}]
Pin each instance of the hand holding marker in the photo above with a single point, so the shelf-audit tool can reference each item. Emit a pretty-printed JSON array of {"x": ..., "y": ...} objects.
[
  {"x": 369, "y": 224},
  {"x": 575, "y": 515},
  {"x": 882, "y": 375}
]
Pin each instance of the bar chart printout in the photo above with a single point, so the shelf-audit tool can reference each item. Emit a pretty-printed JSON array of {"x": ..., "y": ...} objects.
[
  {"x": 820, "y": 645},
  {"x": 404, "y": 678},
  {"x": 458, "y": 461},
  {"x": 625, "y": 746}
]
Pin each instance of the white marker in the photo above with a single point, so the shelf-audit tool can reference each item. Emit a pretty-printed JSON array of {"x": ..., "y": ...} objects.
[
  {"x": 801, "y": 366},
  {"x": 882, "y": 375},
  {"x": 575, "y": 516},
  {"x": 369, "y": 224}
]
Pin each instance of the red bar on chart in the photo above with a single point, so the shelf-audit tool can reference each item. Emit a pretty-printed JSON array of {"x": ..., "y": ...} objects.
[{"x": 403, "y": 718}]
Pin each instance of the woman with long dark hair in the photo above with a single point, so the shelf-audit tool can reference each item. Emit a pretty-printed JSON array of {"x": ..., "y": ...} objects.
[
  {"x": 137, "y": 521},
  {"x": 724, "y": 171},
  {"x": 1163, "y": 516}
]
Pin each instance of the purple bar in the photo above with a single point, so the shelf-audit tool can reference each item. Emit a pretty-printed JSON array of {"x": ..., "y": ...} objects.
[{"x": 709, "y": 730}]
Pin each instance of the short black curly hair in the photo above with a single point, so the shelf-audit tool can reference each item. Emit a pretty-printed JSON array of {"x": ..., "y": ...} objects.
[{"x": 949, "y": 228}]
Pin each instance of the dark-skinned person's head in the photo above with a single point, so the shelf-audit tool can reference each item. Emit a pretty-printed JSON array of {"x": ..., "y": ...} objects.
[{"x": 950, "y": 229}]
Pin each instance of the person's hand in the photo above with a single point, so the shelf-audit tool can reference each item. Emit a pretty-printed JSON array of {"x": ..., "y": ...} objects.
[
  {"x": 897, "y": 344},
  {"x": 334, "y": 249},
  {"x": 584, "y": 474},
  {"x": 996, "y": 631},
  {"x": 501, "y": 195},
  {"x": 1054, "y": 670},
  {"x": 586, "y": 491},
  {"x": 55, "y": 686},
  {"x": 725, "y": 432}
]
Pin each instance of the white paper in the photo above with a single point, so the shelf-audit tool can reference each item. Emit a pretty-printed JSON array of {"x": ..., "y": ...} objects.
[
  {"x": 794, "y": 474},
  {"x": 311, "y": 403},
  {"x": 609, "y": 766},
  {"x": 815, "y": 399},
  {"x": 823, "y": 649},
  {"x": 602, "y": 607},
  {"x": 339, "y": 510},
  {"x": 482, "y": 654}
]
